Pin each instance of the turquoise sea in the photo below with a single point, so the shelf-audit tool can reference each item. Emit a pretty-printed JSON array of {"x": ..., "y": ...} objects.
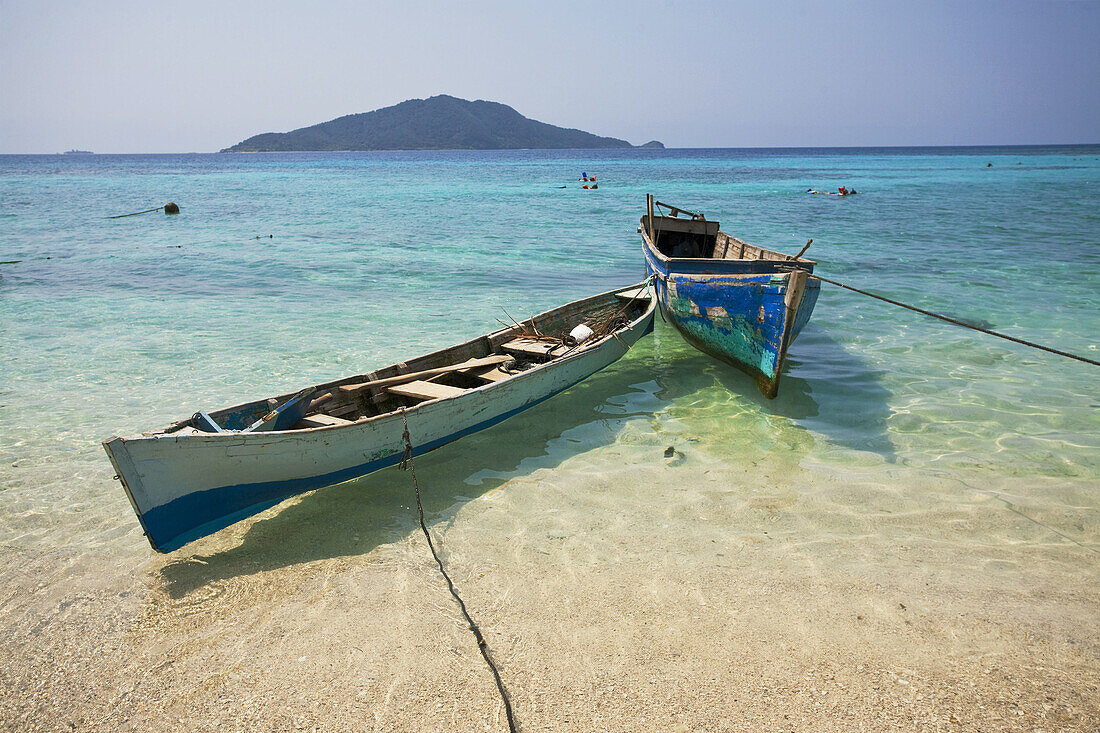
[
  {"x": 287, "y": 269},
  {"x": 905, "y": 539}
]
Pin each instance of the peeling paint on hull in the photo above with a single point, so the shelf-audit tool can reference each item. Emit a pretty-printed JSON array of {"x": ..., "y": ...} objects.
[{"x": 732, "y": 310}]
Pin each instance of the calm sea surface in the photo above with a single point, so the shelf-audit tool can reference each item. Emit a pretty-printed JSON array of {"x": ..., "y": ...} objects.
[{"x": 287, "y": 269}]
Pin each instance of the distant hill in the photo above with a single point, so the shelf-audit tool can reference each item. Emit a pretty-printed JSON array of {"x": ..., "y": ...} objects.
[{"x": 438, "y": 123}]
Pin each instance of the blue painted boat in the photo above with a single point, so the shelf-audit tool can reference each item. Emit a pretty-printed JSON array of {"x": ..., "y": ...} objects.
[
  {"x": 732, "y": 300},
  {"x": 215, "y": 468}
]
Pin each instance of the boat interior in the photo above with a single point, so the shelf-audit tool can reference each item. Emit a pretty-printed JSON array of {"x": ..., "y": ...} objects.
[
  {"x": 447, "y": 373},
  {"x": 694, "y": 237}
]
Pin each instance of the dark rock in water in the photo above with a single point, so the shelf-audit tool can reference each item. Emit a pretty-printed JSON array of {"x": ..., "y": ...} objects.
[
  {"x": 171, "y": 208},
  {"x": 670, "y": 452},
  {"x": 653, "y": 144}
]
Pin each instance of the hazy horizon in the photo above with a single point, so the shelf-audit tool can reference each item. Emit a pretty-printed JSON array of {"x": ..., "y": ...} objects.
[
  {"x": 635, "y": 147},
  {"x": 118, "y": 79}
]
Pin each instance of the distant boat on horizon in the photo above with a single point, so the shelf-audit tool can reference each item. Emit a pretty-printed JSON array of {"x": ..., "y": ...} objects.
[{"x": 74, "y": 151}]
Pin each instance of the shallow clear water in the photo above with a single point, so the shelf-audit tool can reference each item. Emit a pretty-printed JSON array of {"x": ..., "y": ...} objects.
[{"x": 285, "y": 270}]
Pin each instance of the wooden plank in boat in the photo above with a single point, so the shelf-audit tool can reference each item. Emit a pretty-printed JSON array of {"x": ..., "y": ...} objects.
[
  {"x": 535, "y": 348},
  {"x": 320, "y": 421},
  {"x": 490, "y": 374},
  {"x": 349, "y": 409},
  {"x": 639, "y": 294},
  {"x": 691, "y": 226},
  {"x": 425, "y": 390},
  {"x": 398, "y": 379}
]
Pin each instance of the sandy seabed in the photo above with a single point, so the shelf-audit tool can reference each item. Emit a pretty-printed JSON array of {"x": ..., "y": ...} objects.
[{"x": 619, "y": 590}]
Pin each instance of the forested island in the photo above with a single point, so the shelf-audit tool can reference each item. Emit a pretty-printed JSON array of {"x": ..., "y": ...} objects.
[{"x": 438, "y": 123}]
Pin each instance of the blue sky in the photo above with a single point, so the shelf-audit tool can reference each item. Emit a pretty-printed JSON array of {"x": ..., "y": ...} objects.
[{"x": 199, "y": 76}]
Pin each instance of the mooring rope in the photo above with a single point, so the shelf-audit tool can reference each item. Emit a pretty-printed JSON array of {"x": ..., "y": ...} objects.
[
  {"x": 147, "y": 211},
  {"x": 482, "y": 645},
  {"x": 957, "y": 322}
]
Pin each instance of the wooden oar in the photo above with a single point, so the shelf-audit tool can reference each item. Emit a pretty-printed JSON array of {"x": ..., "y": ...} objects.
[{"x": 412, "y": 376}]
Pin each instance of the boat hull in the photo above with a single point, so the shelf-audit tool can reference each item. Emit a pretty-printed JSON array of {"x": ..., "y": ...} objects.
[
  {"x": 745, "y": 313},
  {"x": 184, "y": 487}
]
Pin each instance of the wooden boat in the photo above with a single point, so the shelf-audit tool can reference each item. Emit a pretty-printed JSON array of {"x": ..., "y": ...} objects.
[
  {"x": 737, "y": 302},
  {"x": 204, "y": 473}
]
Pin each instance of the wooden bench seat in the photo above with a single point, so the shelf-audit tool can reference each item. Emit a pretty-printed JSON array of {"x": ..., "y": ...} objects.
[
  {"x": 537, "y": 349},
  {"x": 422, "y": 390},
  {"x": 489, "y": 360},
  {"x": 320, "y": 421},
  {"x": 489, "y": 374}
]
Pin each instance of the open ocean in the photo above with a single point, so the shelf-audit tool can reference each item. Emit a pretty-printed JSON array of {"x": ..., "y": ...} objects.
[{"x": 287, "y": 269}]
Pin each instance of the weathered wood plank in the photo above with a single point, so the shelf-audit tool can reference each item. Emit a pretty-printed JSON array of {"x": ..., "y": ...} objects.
[
  {"x": 535, "y": 348},
  {"x": 320, "y": 421},
  {"x": 349, "y": 409},
  {"x": 691, "y": 226},
  {"x": 425, "y": 390},
  {"x": 412, "y": 376},
  {"x": 491, "y": 374},
  {"x": 639, "y": 294}
]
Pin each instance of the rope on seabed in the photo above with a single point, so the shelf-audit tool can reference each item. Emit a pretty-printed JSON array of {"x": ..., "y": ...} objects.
[
  {"x": 958, "y": 322},
  {"x": 482, "y": 645}
]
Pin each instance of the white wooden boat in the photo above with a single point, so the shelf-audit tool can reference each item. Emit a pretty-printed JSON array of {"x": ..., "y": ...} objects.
[{"x": 202, "y": 474}]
